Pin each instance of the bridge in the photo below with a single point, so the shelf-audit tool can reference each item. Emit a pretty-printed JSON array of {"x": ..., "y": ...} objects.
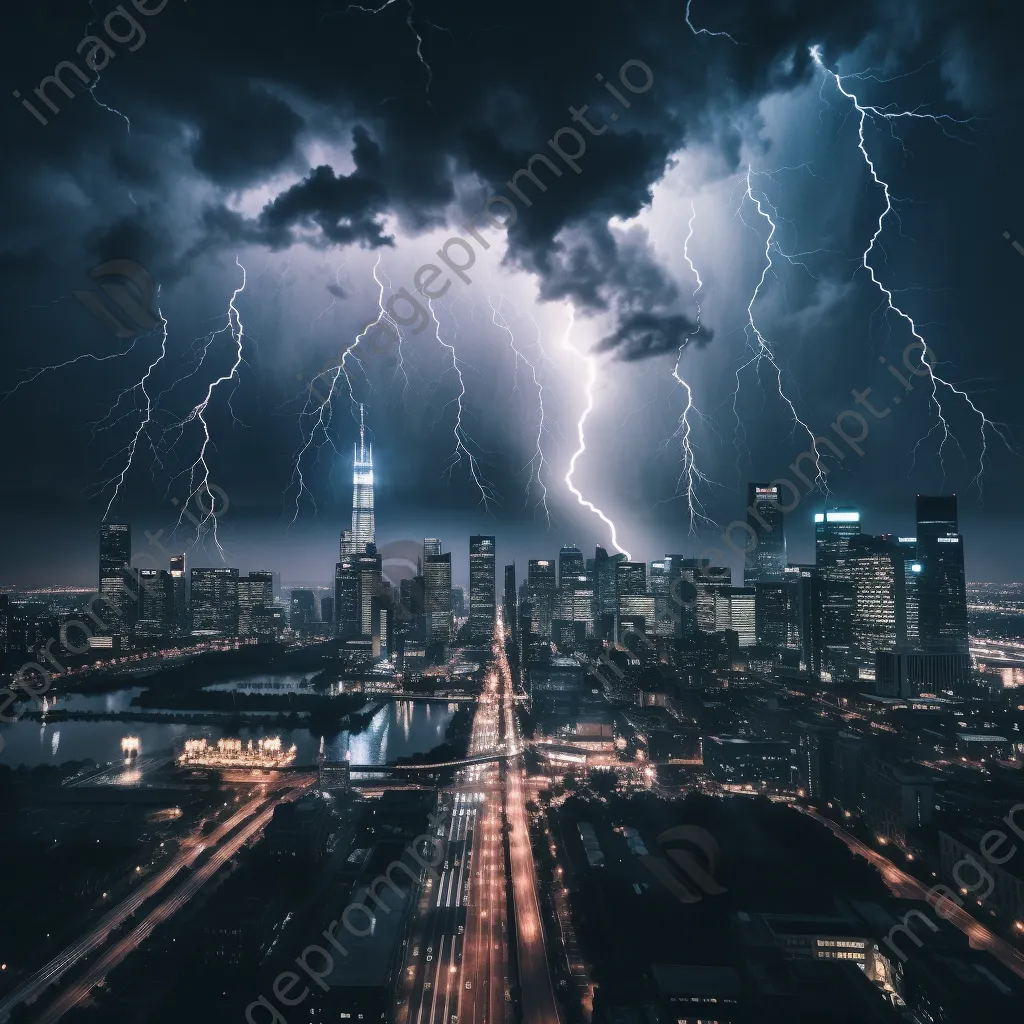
[{"x": 497, "y": 755}]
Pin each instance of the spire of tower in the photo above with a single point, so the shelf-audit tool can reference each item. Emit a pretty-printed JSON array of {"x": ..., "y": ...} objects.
[{"x": 362, "y": 435}]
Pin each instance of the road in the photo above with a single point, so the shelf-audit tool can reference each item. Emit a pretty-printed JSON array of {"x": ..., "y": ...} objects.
[
  {"x": 259, "y": 810},
  {"x": 538, "y": 994},
  {"x": 907, "y": 887},
  {"x": 455, "y": 966}
]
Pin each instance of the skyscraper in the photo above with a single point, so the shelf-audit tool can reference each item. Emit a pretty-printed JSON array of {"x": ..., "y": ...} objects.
[
  {"x": 735, "y": 609},
  {"x": 942, "y": 584},
  {"x": 115, "y": 570},
  {"x": 606, "y": 601},
  {"x": 179, "y": 589},
  {"x": 214, "y": 597},
  {"x": 876, "y": 570},
  {"x": 431, "y": 546},
  {"x": 482, "y": 595},
  {"x": 371, "y": 587},
  {"x": 363, "y": 531},
  {"x": 766, "y": 552},
  {"x": 303, "y": 609},
  {"x": 348, "y": 620},
  {"x": 833, "y": 530},
  {"x": 509, "y": 603},
  {"x": 540, "y": 575},
  {"x": 156, "y": 604},
  {"x": 255, "y": 593},
  {"x": 437, "y": 586}
]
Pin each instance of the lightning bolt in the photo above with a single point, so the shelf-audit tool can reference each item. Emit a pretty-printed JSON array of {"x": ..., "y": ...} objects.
[
  {"x": 145, "y": 421},
  {"x": 704, "y": 31},
  {"x": 890, "y": 115},
  {"x": 92, "y": 88},
  {"x": 462, "y": 441},
  {"x": 591, "y": 367},
  {"x": 320, "y": 407},
  {"x": 411, "y": 24},
  {"x": 690, "y": 476},
  {"x": 537, "y": 462},
  {"x": 764, "y": 351},
  {"x": 200, "y": 467}
]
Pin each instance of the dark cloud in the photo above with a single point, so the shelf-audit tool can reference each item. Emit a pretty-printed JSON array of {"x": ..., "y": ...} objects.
[{"x": 645, "y": 335}]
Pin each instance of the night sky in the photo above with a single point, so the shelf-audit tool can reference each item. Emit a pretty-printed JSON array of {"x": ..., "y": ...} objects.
[{"x": 330, "y": 151}]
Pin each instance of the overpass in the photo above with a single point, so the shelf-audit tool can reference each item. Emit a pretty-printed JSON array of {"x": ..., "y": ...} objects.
[{"x": 467, "y": 762}]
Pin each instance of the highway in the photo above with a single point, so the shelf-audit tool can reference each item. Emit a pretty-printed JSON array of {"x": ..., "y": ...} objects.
[
  {"x": 538, "y": 994},
  {"x": 907, "y": 887},
  {"x": 256, "y": 812},
  {"x": 454, "y": 965}
]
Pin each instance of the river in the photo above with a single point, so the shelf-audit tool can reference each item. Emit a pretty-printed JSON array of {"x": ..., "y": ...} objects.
[{"x": 398, "y": 729}]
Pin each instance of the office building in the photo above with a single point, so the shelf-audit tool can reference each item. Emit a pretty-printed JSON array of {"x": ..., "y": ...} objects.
[
  {"x": 777, "y": 613},
  {"x": 941, "y": 584},
  {"x": 735, "y": 609},
  {"x": 833, "y": 529},
  {"x": 155, "y": 605},
  {"x": 807, "y": 582},
  {"x": 363, "y": 531},
  {"x": 458, "y": 602},
  {"x": 348, "y": 619},
  {"x": 371, "y": 586},
  {"x": 540, "y": 577},
  {"x": 431, "y": 546},
  {"x": 482, "y": 592},
  {"x": 606, "y": 599},
  {"x": 255, "y": 597},
  {"x": 116, "y": 583},
  {"x": 437, "y": 586},
  {"x": 303, "y": 610},
  {"x": 707, "y": 580},
  {"x": 509, "y": 602},
  {"x": 327, "y": 610},
  {"x": 571, "y": 565},
  {"x": 876, "y": 571},
  {"x": 766, "y": 543},
  {"x": 179, "y": 590},
  {"x": 214, "y": 599}
]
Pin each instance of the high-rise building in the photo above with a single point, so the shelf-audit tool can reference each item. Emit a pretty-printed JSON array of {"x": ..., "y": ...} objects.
[
  {"x": 303, "y": 609},
  {"x": 255, "y": 596},
  {"x": 409, "y": 618},
  {"x": 437, "y": 586},
  {"x": 459, "y": 602},
  {"x": 606, "y": 599},
  {"x": 707, "y": 580},
  {"x": 115, "y": 585},
  {"x": 179, "y": 590},
  {"x": 348, "y": 619},
  {"x": 509, "y": 603},
  {"x": 541, "y": 579},
  {"x": 431, "y": 546},
  {"x": 735, "y": 609},
  {"x": 766, "y": 550},
  {"x": 571, "y": 565},
  {"x": 214, "y": 598},
  {"x": 371, "y": 586},
  {"x": 912, "y": 569},
  {"x": 327, "y": 610},
  {"x": 777, "y": 614},
  {"x": 482, "y": 593},
  {"x": 363, "y": 531},
  {"x": 809, "y": 609},
  {"x": 833, "y": 529},
  {"x": 942, "y": 584},
  {"x": 876, "y": 571},
  {"x": 156, "y": 604}
]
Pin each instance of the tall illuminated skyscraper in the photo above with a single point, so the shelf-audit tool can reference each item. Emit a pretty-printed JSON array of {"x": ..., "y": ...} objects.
[
  {"x": 482, "y": 596},
  {"x": 363, "y": 531},
  {"x": 765, "y": 559},
  {"x": 942, "y": 585},
  {"x": 115, "y": 570}
]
